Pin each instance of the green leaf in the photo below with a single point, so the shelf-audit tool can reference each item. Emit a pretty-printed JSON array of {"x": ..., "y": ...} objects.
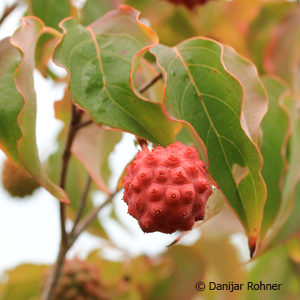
[
  {"x": 99, "y": 60},
  {"x": 275, "y": 126},
  {"x": 51, "y": 12},
  {"x": 10, "y": 132},
  {"x": 201, "y": 92},
  {"x": 18, "y": 106},
  {"x": 24, "y": 282},
  {"x": 94, "y": 9},
  {"x": 286, "y": 223}
]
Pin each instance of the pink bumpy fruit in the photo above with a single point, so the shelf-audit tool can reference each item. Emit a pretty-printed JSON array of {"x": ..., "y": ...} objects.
[{"x": 167, "y": 189}]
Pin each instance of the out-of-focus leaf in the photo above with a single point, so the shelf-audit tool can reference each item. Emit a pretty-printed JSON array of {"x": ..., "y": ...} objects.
[
  {"x": 222, "y": 268},
  {"x": 225, "y": 21},
  {"x": 18, "y": 105},
  {"x": 214, "y": 205},
  {"x": 275, "y": 127},
  {"x": 274, "y": 267},
  {"x": 200, "y": 91},
  {"x": 92, "y": 146},
  {"x": 94, "y": 9},
  {"x": 255, "y": 97},
  {"x": 131, "y": 280},
  {"x": 51, "y": 12},
  {"x": 75, "y": 184},
  {"x": 260, "y": 29},
  {"x": 228, "y": 21},
  {"x": 187, "y": 266},
  {"x": 24, "y": 282},
  {"x": 282, "y": 54},
  {"x": 293, "y": 249},
  {"x": 291, "y": 226},
  {"x": 99, "y": 60},
  {"x": 287, "y": 223}
]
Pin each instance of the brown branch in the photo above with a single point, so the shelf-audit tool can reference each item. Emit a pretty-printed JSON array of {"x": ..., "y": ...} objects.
[
  {"x": 142, "y": 142},
  {"x": 88, "y": 219},
  {"x": 147, "y": 85},
  {"x": 82, "y": 203},
  {"x": 84, "y": 124},
  {"x": 48, "y": 292},
  {"x": 8, "y": 10},
  {"x": 75, "y": 119}
]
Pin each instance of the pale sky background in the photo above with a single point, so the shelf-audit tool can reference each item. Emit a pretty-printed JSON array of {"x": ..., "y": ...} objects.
[{"x": 29, "y": 227}]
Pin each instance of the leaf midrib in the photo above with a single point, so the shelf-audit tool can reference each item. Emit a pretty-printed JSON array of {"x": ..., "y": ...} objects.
[{"x": 216, "y": 133}]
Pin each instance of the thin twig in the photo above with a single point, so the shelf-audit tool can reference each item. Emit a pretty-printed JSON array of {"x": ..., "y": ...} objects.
[
  {"x": 88, "y": 219},
  {"x": 82, "y": 203},
  {"x": 8, "y": 10},
  {"x": 84, "y": 124},
  {"x": 143, "y": 143},
  {"x": 75, "y": 119},
  {"x": 147, "y": 85},
  {"x": 48, "y": 292}
]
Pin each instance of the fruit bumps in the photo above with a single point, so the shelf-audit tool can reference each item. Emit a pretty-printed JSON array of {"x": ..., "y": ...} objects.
[
  {"x": 79, "y": 280},
  {"x": 167, "y": 189}
]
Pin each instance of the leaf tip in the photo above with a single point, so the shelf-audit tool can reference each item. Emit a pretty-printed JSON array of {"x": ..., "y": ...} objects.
[{"x": 252, "y": 245}]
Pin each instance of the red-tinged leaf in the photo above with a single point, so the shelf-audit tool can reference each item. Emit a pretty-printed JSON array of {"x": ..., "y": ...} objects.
[
  {"x": 255, "y": 97},
  {"x": 25, "y": 39},
  {"x": 44, "y": 51},
  {"x": 92, "y": 146},
  {"x": 200, "y": 91},
  {"x": 99, "y": 60},
  {"x": 63, "y": 108},
  {"x": 51, "y": 12},
  {"x": 287, "y": 223},
  {"x": 282, "y": 56},
  {"x": 275, "y": 128}
]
